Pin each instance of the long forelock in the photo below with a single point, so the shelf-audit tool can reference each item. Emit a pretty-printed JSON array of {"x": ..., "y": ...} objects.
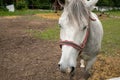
[{"x": 77, "y": 12}]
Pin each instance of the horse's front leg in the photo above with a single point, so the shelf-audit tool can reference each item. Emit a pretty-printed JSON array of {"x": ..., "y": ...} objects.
[
  {"x": 72, "y": 75},
  {"x": 87, "y": 68}
]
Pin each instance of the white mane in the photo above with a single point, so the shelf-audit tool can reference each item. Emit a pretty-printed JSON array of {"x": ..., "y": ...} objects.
[{"x": 77, "y": 12}]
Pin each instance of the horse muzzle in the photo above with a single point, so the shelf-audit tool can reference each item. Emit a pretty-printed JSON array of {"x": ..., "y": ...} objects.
[{"x": 68, "y": 70}]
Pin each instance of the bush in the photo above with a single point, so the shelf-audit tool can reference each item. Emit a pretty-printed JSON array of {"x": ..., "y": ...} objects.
[
  {"x": 45, "y": 6},
  {"x": 2, "y": 8},
  {"x": 20, "y": 5}
]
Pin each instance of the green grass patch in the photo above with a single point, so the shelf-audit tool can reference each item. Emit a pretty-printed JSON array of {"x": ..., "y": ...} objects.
[
  {"x": 47, "y": 34},
  {"x": 50, "y": 34},
  {"x": 110, "y": 13},
  {"x": 111, "y": 39},
  {"x": 114, "y": 13},
  {"x": 23, "y": 12}
]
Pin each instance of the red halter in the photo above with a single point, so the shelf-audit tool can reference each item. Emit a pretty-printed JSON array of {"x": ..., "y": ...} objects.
[{"x": 74, "y": 45}]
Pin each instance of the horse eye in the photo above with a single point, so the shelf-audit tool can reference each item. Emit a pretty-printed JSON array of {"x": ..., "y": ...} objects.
[
  {"x": 59, "y": 25},
  {"x": 84, "y": 27}
]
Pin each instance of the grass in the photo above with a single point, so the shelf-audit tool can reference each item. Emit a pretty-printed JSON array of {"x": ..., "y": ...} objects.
[
  {"x": 23, "y": 12},
  {"x": 109, "y": 13},
  {"x": 114, "y": 13},
  {"x": 47, "y": 34},
  {"x": 50, "y": 34},
  {"x": 111, "y": 39}
]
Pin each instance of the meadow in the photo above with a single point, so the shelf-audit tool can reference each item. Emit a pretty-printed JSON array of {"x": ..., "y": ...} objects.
[{"x": 111, "y": 44}]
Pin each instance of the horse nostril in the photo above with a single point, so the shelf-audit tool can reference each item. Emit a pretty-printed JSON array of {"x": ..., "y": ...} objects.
[
  {"x": 72, "y": 69},
  {"x": 58, "y": 65}
]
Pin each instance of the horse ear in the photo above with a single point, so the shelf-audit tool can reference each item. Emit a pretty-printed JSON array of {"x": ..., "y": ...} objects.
[
  {"x": 61, "y": 3},
  {"x": 67, "y": 1}
]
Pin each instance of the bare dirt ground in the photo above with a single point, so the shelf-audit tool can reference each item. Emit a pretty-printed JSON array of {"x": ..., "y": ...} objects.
[{"x": 23, "y": 57}]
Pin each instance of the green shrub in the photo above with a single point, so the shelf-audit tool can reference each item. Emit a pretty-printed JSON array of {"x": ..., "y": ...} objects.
[
  {"x": 20, "y": 5},
  {"x": 45, "y": 6},
  {"x": 3, "y": 8}
]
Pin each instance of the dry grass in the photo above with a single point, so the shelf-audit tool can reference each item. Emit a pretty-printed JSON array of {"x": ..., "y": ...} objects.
[{"x": 50, "y": 15}]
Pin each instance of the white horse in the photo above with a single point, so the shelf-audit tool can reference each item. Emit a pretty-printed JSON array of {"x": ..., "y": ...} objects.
[{"x": 81, "y": 34}]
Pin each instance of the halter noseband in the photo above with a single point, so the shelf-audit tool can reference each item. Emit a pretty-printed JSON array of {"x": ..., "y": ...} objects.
[{"x": 76, "y": 46}]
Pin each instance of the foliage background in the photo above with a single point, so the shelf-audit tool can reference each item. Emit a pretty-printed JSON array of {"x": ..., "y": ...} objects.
[{"x": 47, "y": 4}]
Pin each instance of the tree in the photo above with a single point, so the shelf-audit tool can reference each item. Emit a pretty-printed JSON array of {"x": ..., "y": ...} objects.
[
  {"x": 112, "y": 3},
  {"x": 103, "y": 3},
  {"x": 57, "y": 5},
  {"x": 116, "y": 3},
  {"x": 44, "y": 4}
]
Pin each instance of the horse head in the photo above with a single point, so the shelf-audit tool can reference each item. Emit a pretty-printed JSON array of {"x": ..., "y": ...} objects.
[{"x": 74, "y": 25}]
